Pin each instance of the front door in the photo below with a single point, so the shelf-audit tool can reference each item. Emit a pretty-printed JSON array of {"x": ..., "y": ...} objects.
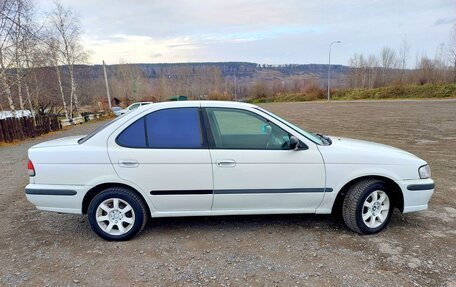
[
  {"x": 254, "y": 168},
  {"x": 166, "y": 155}
]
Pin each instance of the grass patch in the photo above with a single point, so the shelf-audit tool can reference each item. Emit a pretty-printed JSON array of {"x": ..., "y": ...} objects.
[{"x": 428, "y": 91}]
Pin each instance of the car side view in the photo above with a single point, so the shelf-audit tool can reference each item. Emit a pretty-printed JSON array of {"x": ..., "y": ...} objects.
[{"x": 202, "y": 158}]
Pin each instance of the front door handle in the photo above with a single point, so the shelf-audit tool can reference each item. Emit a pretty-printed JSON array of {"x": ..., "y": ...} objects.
[
  {"x": 225, "y": 163},
  {"x": 128, "y": 163}
]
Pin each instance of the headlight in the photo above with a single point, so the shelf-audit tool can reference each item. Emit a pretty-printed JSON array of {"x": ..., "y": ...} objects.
[{"x": 424, "y": 171}]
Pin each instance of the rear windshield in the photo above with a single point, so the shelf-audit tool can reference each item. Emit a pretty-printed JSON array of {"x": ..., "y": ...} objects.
[{"x": 97, "y": 130}]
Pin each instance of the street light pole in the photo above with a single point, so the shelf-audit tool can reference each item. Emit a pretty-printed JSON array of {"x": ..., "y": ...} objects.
[
  {"x": 107, "y": 86},
  {"x": 329, "y": 64}
]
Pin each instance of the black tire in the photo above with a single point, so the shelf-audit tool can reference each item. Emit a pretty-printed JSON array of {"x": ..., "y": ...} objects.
[
  {"x": 352, "y": 207},
  {"x": 136, "y": 202}
]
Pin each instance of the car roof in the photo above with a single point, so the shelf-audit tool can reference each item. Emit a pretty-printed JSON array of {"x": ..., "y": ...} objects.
[
  {"x": 141, "y": 103},
  {"x": 177, "y": 104}
]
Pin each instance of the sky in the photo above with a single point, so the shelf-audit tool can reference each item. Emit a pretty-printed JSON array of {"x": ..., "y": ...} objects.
[{"x": 260, "y": 31}]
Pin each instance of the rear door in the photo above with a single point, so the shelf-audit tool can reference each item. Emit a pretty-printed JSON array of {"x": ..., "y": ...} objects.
[
  {"x": 254, "y": 169},
  {"x": 166, "y": 154}
]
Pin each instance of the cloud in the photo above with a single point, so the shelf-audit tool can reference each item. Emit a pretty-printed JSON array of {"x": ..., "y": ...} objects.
[
  {"x": 139, "y": 49},
  {"x": 264, "y": 31},
  {"x": 446, "y": 20},
  {"x": 156, "y": 55}
]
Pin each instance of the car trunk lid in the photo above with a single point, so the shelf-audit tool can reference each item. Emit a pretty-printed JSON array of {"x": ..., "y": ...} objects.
[{"x": 65, "y": 141}]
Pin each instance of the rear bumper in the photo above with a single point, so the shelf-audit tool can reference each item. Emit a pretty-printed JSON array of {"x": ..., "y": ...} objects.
[
  {"x": 58, "y": 198},
  {"x": 417, "y": 194}
]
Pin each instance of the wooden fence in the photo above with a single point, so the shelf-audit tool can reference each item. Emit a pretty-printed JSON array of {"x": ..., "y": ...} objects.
[{"x": 21, "y": 128}]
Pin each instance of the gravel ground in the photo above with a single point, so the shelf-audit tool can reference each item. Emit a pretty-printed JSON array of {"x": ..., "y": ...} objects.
[{"x": 48, "y": 249}]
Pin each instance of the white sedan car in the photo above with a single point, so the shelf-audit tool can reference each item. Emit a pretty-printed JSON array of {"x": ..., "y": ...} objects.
[{"x": 220, "y": 158}]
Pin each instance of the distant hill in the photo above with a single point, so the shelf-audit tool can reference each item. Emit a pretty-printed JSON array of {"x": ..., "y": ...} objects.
[
  {"x": 215, "y": 80},
  {"x": 244, "y": 71}
]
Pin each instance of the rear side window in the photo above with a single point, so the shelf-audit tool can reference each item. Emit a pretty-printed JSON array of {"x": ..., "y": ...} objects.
[
  {"x": 133, "y": 136},
  {"x": 178, "y": 128},
  {"x": 174, "y": 128}
]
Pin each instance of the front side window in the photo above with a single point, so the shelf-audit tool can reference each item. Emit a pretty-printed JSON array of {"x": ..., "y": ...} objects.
[
  {"x": 240, "y": 129},
  {"x": 307, "y": 134},
  {"x": 174, "y": 128}
]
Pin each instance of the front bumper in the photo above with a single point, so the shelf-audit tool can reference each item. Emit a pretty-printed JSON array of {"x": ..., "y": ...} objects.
[
  {"x": 417, "y": 194},
  {"x": 58, "y": 198}
]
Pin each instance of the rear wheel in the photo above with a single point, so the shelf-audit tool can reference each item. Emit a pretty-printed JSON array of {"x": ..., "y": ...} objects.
[
  {"x": 117, "y": 214},
  {"x": 367, "y": 207}
]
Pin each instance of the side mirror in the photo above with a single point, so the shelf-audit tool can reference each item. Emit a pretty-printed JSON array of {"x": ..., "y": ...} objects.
[{"x": 294, "y": 143}]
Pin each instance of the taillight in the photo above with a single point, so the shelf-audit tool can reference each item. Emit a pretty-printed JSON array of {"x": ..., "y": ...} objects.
[{"x": 30, "y": 168}]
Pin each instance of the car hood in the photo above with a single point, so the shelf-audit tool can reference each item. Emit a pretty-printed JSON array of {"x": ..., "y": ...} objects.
[
  {"x": 66, "y": 141},
  {"x": 352, "y": 151}
]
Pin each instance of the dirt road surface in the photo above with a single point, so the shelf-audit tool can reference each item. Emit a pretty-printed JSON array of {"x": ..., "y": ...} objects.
[{"x": 48, "y": 249}]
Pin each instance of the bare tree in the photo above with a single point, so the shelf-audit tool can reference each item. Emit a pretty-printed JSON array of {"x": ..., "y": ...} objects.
[
  {"x": 259, "y": 90},
  {"x": 372, "y": 68},
  {"x": 27, "y": 47},
  {"x": 163, "y": 88},
  {"x": 425, "y": 70},
  {"x": 24, "y": 39},
  {"x": 440, "y": 63},
  {"x": 9, "y": 13},
  {"x": 66, "y": 35},
  {"x": 54, "y": 61},
  {"x": 452, "y": 51},
  {"x": 403, "y": 57},
  {"x": 129, "y": 83},
  {"x": 361, "y": 72},
  {"x": 388, "y": 61},
  {"x": 17, "y": 45}
]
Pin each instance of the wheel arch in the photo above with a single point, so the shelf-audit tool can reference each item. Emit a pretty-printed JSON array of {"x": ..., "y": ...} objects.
[
  {"x": 398, "y": 197},
  {"x": 99, "y": 188}
]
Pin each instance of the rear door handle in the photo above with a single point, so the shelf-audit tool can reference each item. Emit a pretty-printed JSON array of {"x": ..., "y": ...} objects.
[
  {"x": 225, "y": 163},
  {"x": 128, "y": 163}
]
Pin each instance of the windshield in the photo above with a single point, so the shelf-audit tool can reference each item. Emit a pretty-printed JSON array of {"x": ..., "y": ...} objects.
[
  {"x": 307, "y": 134},
  {"x": 97, "y": 130}
]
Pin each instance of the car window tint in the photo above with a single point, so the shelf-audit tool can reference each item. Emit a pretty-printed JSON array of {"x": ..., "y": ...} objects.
[
  {"x": 133, "y": 136},
  {"x": 174, "y": 128},
  {"x": 238, "y": 122},
  {"x": 240, "y": 129}
]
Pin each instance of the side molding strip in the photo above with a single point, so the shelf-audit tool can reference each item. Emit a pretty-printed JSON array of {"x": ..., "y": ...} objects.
[
  {"x": 64, "y": 192},
  {"x": 421, "y": 186},
  {"x": 239, "y": 191},
  {"x": 281, "y": 190},
  {"x": 180, "y": 192}
]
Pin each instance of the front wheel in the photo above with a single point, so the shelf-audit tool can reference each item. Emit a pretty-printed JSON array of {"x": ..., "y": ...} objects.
[
  {"x": 367, "y": 207},
  {"x": 117, "y": 214}
]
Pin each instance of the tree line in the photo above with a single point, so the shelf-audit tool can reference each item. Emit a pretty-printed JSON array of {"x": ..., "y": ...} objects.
[
  {"x": 391, "y": 66},
  {"x": 41, "y": 69},
  {"x": 29, "y": 45}
]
